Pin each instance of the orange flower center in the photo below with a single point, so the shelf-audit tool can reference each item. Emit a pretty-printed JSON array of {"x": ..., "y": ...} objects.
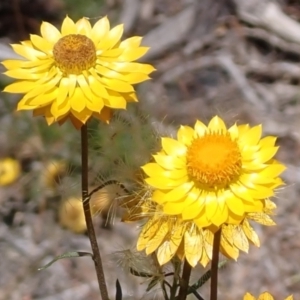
[
  {"x": 74, "y": 53},
  {"x": 214, "y": 160}
]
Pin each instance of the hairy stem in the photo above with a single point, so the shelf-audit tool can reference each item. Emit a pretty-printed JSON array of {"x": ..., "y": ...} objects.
[
  {"x": 215, "y": 266},
  {"x": 88, "y": 216}
]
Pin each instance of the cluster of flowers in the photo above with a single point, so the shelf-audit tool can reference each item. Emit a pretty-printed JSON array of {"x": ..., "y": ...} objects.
[{"x": 209, "y": 177}]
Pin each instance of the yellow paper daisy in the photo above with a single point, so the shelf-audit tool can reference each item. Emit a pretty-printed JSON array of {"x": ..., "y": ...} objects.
[
  {"x": 264, "y": 296},
  {"x": 10, "y": 170},
  {"x": 78, "y": 72},
  {"x": 213, "y": 175}
]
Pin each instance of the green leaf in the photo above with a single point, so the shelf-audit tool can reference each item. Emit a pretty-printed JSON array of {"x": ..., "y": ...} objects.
[
  {"x": 139, "y": 274},
  {"x": 66, "y": 255},
  {"x": 118, "y": 290}
]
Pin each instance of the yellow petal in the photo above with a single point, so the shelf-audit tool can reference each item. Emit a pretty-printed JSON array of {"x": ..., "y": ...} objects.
[
  {"x": 41, "y": 43},
  {"x": 261, "y": 218},
  {"x": 180, "y": 192},
  {"x": 169, "y": 247},
  {"x": 265, "y": 296},
  {"x": 22, "y": 74},
  {"x": 117, "y": 85},
  {"x": 252, "y": 136},
  {"x": 100, "y": 29},
  {"x": 173, "y": 147},
  {"x": 193, "y": 245},
  {"x": 265, "y": 154},
  {"x": 169, "y": 162},
  {"x": 148, "y": 231},
  {"x": 68, "y": 27},
  {"x": 20, "y": 87},
  {"x": 50, "y": 33},
  {"x": 84, "y": 27},
  {"x": 185, "y": 135},
  {"x": 268, "y": 141},
  {"x": 111, "y": 38},
  {"x": 157, "y": 239},
  {"x": 235, "y": 205},
  {"x": 193, "y": 208},
  {"x": 240, "y": 240},
  {"x": 249, "y": 297},
  {"x": 133, "y": 54},
  {"x": 250, "y": 233},
  {"x": 155, "y": 170},
  {"x": 82, "y": 116},
  {"x": 78, "y": 101},
  {"x": 165, "y": 183},
  {"x": 200, "y": 129},
  {"x": 28, "y": 52},
  {"x": 132, "y": 42},
  {"x": 97, "y": 87},
  {"x": 217, "y": 125}
]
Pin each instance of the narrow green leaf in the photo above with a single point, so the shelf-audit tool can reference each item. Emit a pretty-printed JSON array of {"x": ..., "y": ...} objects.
[
  {"x": 66, "y": 255},
  {"x": 118, "y": 290},
  {"x": 139, "y": 274}
]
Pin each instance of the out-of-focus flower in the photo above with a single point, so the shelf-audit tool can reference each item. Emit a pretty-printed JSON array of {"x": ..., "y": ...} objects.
[
  {"x": 10, "y": 170},
  {"x": 264, "y": 296},
  {"x": 71, "y": 215},
  {"x": 212, "y": 175},
  {"x": 77, "y": 73},
  {"x": 105, "y": 199},
  {"x": 53, "y": 173}
]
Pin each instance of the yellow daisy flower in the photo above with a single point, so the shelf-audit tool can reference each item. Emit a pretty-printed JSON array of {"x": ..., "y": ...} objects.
[
  {"x": 10, "y": 170},
  {"x": 77, "y": 73},
  {"x": 264, "y": 296},
  {"x": 213, "y": 175},
  {"x": 71, "y": 215}
]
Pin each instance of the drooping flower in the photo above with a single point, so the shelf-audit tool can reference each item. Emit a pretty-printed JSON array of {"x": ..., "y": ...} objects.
[
  {"x": 77, "y": 73},
  {"x": 212, "y": 175},
  {"x": 264, "y": 296},
  {"x": 171, "y": 236}
]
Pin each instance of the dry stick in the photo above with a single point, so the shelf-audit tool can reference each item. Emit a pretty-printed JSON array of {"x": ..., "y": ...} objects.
[
  {"x": 215, "y": 266},
  {"x": 88, "y": 216},
  {"x": 184, "y": 285}
]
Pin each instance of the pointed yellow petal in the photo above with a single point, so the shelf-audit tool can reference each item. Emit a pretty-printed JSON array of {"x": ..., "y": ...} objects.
[
  {"x": 84, "y": 27},
  {"x": 185, "y": 135},
  {"x": 217, "y": 125},
  {"x": 50, "y": 33},
  {"x": 265, "y": 296},
  {"x": 173, "y": 147},
  {"x": 193, "y": 245},
  {"x": 111, "y": 38},
  {"x": 100, "y": 29},
  {"x": 68, "y": 27}
]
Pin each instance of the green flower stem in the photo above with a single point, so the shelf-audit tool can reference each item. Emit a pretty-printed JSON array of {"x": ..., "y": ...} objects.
[
  {"x": 215, "y": 266},
  {"x": 185, "y": 279},
  {"x": 88, "y": 216}
]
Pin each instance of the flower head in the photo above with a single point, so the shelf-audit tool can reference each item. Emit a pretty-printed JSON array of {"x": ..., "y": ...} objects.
[
  {"x": 77, "y": 73},
  {"x": 71, "y": 215},
  {"x": 264, "y": 296},
  {"x": 10, "y": 170},
  {"x": 212, "y": 175}
]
